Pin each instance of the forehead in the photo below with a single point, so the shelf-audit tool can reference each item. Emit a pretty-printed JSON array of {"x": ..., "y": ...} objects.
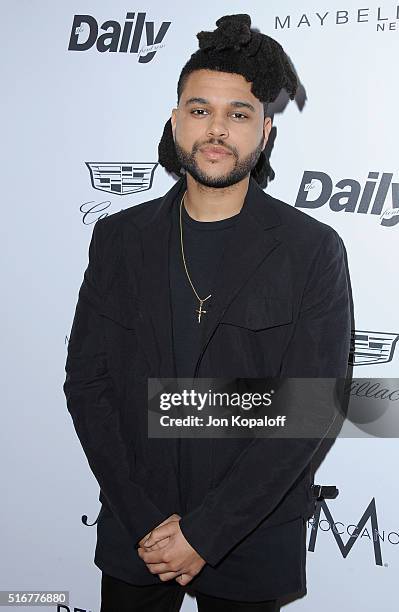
[{"x": 219, "y": 87}]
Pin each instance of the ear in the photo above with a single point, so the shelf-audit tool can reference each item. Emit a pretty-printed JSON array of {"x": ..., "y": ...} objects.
[
  {"x": 267, "y": 126},
  {"x": 173, "y": 121}
]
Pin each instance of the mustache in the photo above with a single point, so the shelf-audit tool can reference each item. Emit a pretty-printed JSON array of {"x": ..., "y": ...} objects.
[{"x": 214, "y": 142}]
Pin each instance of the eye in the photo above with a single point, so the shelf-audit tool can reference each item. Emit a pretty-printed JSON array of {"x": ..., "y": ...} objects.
[
  {"x": 241, "y": 115},
  {"x": 196, "y": 110}
]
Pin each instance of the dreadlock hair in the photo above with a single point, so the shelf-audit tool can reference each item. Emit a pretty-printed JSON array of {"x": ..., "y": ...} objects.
[{"x": 234, "y": 47}]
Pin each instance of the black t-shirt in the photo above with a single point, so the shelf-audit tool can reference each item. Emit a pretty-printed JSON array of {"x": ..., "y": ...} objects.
[{"x": 203, "y": 242}]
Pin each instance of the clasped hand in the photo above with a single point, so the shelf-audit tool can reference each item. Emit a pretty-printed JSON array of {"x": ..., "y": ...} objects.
[{"x": 166, "y": 552}]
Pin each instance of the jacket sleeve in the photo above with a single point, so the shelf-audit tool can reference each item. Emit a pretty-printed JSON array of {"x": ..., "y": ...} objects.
[
  {"x": 319, "y": 347},
  {"x": 93, "y": 405}
]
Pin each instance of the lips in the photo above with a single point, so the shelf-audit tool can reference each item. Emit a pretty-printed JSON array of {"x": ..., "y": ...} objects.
[{"x": 215, "y": 152}]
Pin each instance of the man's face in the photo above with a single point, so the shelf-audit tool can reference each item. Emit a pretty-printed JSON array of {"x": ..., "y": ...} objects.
[{"x": 219, "y": 128}]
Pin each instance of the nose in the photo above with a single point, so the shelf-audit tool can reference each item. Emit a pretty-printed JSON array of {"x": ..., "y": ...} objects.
[{"x": 217, "y": 128}]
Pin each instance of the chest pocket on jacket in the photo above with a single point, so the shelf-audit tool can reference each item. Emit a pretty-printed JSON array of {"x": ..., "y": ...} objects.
[{"x": 258, "y": 312}]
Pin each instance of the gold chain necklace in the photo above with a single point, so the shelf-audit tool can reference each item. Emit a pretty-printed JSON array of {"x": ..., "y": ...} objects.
[{"x": 200, "y": 310}]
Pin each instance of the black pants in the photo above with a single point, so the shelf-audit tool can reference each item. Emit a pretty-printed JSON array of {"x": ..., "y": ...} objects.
[{"x": 120, "y": 596}]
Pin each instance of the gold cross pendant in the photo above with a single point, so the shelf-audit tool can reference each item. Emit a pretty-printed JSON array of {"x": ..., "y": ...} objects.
[{"x": 200, "y": 311}]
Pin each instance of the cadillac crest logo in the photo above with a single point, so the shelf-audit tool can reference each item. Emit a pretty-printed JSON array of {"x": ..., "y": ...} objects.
[
  {"x": 370, "y": 347},
  {"x": 121, "y": 178}
]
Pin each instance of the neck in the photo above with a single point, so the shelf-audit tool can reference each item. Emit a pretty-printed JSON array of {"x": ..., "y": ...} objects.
[{"x": 214, "y": 204}]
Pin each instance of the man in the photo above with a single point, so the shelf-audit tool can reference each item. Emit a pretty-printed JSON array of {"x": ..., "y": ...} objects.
[{"x": 215, "y": 279}]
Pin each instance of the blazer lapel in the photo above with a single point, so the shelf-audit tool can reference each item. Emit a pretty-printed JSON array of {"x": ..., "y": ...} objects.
[
  {"x": 247, "y": 248},
  {"x": 155, "y": 329}
]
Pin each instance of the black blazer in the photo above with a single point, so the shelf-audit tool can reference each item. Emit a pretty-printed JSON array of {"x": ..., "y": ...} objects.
[{"x": 282, "y": 309}]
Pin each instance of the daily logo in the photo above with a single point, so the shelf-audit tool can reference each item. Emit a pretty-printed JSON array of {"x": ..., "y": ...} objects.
[
  {"x": 135, "y": 35},
  {"x": 378, "y": 196}
]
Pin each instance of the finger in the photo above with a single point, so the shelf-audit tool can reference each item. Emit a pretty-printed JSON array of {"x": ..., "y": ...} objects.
[
  {"x": 184, "y": 579},
  {"x": 168, "y": 576},
  {"x": 162, "y": 568},
  {"x": 154, "y": 556},
  {"x": 172, "y": 517},
  {"x": 156, "y": 540},
  {"x": 161, "y": 532},
  {"x": 156, "y": 546}
]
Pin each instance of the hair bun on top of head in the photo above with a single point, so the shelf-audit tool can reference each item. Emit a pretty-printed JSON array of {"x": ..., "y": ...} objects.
[
  {"x": 235, "y": 47},
  {"x": 233, "y": 31}
]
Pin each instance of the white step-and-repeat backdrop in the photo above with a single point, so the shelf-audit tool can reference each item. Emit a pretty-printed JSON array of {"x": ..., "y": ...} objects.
[{"x": 78, "y": 111}]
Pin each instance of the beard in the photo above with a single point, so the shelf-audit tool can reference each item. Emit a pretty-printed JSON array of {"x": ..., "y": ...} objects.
[{"x": 240, "y": 170}]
